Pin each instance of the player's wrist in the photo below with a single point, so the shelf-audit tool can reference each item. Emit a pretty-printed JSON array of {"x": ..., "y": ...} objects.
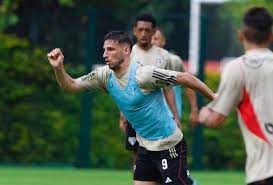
[
  {"x": 206, "y": 121},
  {"x": 204, "y": 116},
  {"x": 59, "y": 68}
]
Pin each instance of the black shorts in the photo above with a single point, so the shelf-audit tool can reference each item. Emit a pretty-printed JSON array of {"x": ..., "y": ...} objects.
[
  {"x": 131, "y": 142},
  {"x": 166, "y": 167},
  {"x": 268, "y": 181}
]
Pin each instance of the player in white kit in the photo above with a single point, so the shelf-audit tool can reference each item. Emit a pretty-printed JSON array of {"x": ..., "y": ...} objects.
[{"x": 247, "y": 84}]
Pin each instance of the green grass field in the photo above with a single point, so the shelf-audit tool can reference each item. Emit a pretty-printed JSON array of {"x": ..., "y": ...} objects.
[{"x": 70, "y": 176}]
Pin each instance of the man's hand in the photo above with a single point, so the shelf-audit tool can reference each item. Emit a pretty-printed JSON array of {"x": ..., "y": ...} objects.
[
  {"x": 210, "y": 118},
  {"x": 56, "y": 58},
  {"x": 203, "y": 115}
]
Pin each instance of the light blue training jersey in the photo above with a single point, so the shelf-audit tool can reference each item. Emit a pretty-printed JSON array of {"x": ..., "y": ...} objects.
[{"x": 147, "y": 112}]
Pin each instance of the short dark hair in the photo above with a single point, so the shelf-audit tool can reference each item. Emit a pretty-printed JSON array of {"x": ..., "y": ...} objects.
[
  {"x": 257, "y": 25},
  {"x": 147, "y": 18},
  {"x": 120, "y": 36}
]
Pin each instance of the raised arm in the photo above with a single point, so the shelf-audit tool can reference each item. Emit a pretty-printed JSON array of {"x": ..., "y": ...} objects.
[{"x": 67, "y": 83}]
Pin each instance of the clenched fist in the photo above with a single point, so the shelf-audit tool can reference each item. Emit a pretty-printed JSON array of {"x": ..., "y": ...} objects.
[{"x": 56, "y": 58}]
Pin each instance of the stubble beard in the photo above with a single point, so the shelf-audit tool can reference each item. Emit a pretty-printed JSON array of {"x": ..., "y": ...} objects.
[{"x": 116, "y": 66}]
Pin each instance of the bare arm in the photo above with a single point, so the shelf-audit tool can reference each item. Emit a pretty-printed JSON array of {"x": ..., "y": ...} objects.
[
  {"x": 68, "y": 84},
  {"x": 193, "y": 104},
  {"x": 192, "y": 82}
]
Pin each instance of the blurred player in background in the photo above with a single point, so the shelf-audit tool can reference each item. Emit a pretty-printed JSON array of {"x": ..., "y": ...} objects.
[
  {"x": 247, "y": 84},
  {"x": 137, "y": 90}
]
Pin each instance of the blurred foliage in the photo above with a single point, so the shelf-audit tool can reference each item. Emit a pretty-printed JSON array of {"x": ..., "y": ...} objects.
[
  {"x": 38, "y": 123},
  {"x": 234, "y": 9},
  {"x": 108, "y": 141},
  {"x": 7, "y": 15}
]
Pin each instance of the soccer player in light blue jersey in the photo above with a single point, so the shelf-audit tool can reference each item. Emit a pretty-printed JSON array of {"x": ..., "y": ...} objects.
[{"x": 136, "y": 89}]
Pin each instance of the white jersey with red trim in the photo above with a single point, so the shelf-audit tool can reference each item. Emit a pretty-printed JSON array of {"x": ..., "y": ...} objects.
[{"x": 247, "y": 83}]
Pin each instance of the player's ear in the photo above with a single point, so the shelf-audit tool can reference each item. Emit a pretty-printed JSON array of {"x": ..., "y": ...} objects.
[{"x": 126, "y": 50}]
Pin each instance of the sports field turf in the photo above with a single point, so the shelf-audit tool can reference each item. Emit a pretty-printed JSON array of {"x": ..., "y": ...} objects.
[{"x": 70, "y": 176}]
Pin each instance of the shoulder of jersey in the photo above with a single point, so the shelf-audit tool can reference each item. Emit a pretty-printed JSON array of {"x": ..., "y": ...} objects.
[
  {"x": 103, "y": 69},
  {"x": 174, "y": 56},
  {"x": 233, "y": 64},
  {"x": 134, "y": 48}
]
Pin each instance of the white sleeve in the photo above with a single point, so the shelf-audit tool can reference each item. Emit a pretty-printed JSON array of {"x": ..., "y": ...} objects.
[
  {"x": 229, "y": 93},
  {"x": 151, "y": 78},
  {"x": 95, "y": 80}
]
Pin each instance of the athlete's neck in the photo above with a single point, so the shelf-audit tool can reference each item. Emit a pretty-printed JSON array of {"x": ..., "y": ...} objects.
[
  {"x": 146, "y": 48},
  {"x": 122, "y": 68},
  {"x": 250, "y": 46}
]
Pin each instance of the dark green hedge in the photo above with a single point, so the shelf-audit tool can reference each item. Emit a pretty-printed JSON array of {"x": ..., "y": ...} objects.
[{"x": 38, "y": 123}]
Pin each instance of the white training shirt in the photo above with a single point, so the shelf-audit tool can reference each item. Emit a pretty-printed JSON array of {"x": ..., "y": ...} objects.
[{"x": 247, "y": 84}]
